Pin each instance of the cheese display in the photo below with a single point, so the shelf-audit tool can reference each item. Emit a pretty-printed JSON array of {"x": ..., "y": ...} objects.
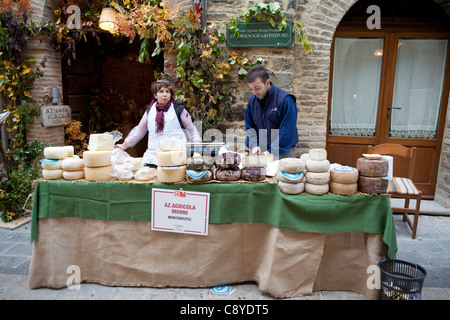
[
  {"x": 291, "y": 165},
  {"x": 344, "y": 174},
  {"x": 317, "y": 177},
  {"x": 291, "y": 188},
  {"x": 343, "y": 188},
  {"x": 290, "y": 177},
  {"x": 73, "y": 175},
  {"x": 72, "y": 164},
  {"x": 253, "y": 173},
  {"x": 228, "y": 174},
  {"x": 317, "y": 165},
  {"x": 255, "y": 160},
  {"x": 316, "y": 189},
  {"x": 372, "y": 184},
  {"x": 97, "y": 158},
  {"x": 171, "y": 158},
  {"x": 228, "y": 160},
  {"x": 198, "y": 176},
  {"x": 98, "y": 173},
  {"x": 145, "y": 174},
  {"x": 56, "y": 152},
  {"x": 318, "y": 154},
  {"x": 101, "y": 141},
  {"x": 52, "y": 174},
  {"x": 372, "y": 168},
  {"x": 70, "y": 151},
  {"x": 171, "y": 174},
  {"x": 51, "y": 164}
]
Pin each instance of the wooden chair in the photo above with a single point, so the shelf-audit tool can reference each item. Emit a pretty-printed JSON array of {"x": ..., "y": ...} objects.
[{"x": 402, "y": 187}]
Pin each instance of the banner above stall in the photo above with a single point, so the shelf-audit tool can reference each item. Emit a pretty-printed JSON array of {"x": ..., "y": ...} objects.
[{"x": 260, "y": 34}]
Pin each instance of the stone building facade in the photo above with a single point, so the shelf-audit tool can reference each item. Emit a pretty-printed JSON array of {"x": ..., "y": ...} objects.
[{"x": 306, "y": 76}]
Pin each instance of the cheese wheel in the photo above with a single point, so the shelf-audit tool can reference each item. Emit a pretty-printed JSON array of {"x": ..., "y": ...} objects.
[
  {"x": 171, "y": 158},
  {"x": 171, "y": 174},
  {"x": 52, "y": 174},
  {"x": 291, "y": 165},
  {"x": 56, "y": 152},
  {"x": 253, "y": 173},
  {"x": 372, "y": 184},
  {"x": 51, "y": 164},
  {"x": 98, "y": 173},
  {"x": 318, "y": 154},
  {"x": 290, "y": 177},
  {"x": 171, "y": 144},
  {"x": 70, "y": 151},
  {"x": 344, "y": 174},
  {"x": 101, "y": 141},
  {"x": 145, "y": 174},
  {"x": 317, "y": 165},
  {"x": 228, "y": 160},
  {"x": 317, "y": 177},
  {"x": 97, "y": 158},
  {"x": 372, "y": 168},
  {"x": 304, "y": 157},
  {"x": 198, "y": 176},
  {"x": 291, "y": 188},
  {"x": 228, "y": 174},
  {"x": 72, "y": 164},
  {"x": 316, "y": 189},
  {"x": 73, "y": 175},
  {"x": 343, "y": 188}
]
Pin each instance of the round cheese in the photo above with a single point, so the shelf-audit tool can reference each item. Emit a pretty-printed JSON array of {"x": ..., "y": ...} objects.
[
  {"x": 198, "y": 176},
  {"x": 291, "y": 188},
  {"x": 171, "y": 174},
  {"x": 290, "y": 177},
  {"x": 254, "y": 173},
  {"x": 70, "y": 151},
  {"x": 372, "y": 168},
  {"x": 97, "y": 158},
  {"x": 317, "y": 177},
  {"x": 171, "y": 158},
  {"x": 51, "y": 164},
  {"x": 101, "y": 141},
  {"x": 56, "y": 152},
  {"x": 316, "y": 189},
  {"x": 73, "y": 175},
  {"x": 372, "y": 184},
  {"x": 317, "y": 165},
  {"x": 228, "y": 174},
  {"x": 291, "y": 165},
  {"x": 145, "y": 174},
  {"x": 52, "y": 174},
  {"x": 343, "y": 188},
  {"x": 228, "y": 160},
  {"x": 318, "y": 154},
  {"x": 72, "y": 164},
  {"x": 344, "y": 174},
  {"x": 98, "y": 173}
]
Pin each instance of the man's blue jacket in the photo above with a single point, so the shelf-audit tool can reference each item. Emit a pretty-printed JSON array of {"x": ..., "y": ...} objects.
[{"x": 278, "y": 110}]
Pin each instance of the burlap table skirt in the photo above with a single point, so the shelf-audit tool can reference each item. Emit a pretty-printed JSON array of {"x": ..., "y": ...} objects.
[{"x": 125, "y": 253}]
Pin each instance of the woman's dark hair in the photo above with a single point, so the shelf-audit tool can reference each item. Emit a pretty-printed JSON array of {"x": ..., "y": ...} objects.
[
  {"x": 157, "y": 85},
  {"x": 257, "y": 71}
]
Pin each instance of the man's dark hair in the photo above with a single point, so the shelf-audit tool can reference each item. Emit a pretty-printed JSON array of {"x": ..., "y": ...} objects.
[{"x": 257, "y": 71}]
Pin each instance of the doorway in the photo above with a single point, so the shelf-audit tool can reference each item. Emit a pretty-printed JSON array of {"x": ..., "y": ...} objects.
[{"x": 390, "y": 85}]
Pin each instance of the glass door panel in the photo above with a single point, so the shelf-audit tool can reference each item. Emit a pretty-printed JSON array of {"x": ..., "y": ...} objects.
[
  {"x": 419, "y": 80},
  {"x": 356, "y": 86}
]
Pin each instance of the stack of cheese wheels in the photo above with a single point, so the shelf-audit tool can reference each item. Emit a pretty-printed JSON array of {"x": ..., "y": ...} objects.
[
  {"x": 73, "y": 168},
  {"x": 199, "y": 168},
  {"x": 228, "y": 166},
  {"x": 317, "y": 172},
  {"x": 371, "y": 175},
  {"x": 171, "y": 157},
  {"x": 52, "y": 164},
  {"x": 97, "y": 160},
  {"x": 254, "y": 167},
  {"x": 344, "y": 180},
  {"x": 290, "y": 176}
]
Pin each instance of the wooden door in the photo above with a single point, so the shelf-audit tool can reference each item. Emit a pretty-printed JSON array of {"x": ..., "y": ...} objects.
[{"x": 389, "y": 86}]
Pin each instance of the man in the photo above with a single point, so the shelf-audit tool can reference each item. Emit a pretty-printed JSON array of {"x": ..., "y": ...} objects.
[{"x": 271, "y": 116}]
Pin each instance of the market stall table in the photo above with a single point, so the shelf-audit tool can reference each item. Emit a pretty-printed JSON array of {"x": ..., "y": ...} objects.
[{"x": 289, "y": 244}]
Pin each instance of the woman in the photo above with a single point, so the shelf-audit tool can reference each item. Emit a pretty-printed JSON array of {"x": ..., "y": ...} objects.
[{"x": 164, "y": 118}]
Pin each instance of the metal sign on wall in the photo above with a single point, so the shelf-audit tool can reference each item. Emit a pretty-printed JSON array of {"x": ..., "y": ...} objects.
[
  {"x": 57, "y": 115},
  {"x": 260, "y": 34}
]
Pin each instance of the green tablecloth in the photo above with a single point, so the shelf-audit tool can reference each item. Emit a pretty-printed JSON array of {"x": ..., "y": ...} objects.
[{"x": 229, "y": 202}]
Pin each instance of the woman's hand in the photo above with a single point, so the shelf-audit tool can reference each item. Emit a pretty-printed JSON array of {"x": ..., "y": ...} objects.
[{"x": 122, "y": 146}]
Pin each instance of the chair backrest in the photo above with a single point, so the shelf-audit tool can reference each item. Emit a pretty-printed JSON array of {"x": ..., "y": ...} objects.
[{"x": 398, "y": 150}]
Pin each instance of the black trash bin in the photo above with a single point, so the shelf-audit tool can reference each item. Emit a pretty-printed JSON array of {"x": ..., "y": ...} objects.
[{"x": 401, "y": 280}]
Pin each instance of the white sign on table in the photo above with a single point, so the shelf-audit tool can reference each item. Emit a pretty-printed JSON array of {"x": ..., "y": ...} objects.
[{"x": 180, "y": 211}]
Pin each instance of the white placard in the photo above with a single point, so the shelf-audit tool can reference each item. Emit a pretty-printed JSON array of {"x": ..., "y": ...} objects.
[{"x": 180, "y": 211}]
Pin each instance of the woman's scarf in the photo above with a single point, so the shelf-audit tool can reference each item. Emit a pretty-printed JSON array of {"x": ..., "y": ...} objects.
[{"x": 160, "y": 109}]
